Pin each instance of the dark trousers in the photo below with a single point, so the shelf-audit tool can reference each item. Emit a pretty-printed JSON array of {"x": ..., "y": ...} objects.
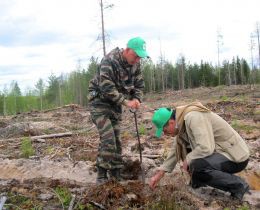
[{"x": 217, "y": 171}]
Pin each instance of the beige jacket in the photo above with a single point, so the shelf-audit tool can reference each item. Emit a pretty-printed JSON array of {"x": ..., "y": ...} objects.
[{"x": 205, "y": 133}]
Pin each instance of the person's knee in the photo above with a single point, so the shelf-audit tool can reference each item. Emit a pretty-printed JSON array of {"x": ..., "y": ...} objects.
[{"x": 200, "y": 170}]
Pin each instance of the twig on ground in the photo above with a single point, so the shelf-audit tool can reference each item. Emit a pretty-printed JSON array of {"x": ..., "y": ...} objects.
[
  {"x": 68, "y": 153},
  {"x": 97, "y": 205},
  {"x": 57, "y": 150},
  {"x": 72, "y": 202},
  {"x": 90, "y": 145}
]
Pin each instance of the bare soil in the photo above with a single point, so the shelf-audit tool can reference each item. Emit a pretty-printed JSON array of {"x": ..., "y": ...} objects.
[{"x": 59, "y": 172}]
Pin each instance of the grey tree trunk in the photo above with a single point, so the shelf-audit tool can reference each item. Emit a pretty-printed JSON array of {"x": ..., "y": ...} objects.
[
  {"x": 229, "y": 76},
  {"x": 257, "y": 34},
  {"x": 241, "y": 72},
  {"x": 235, "y": 78},
  {"x": 103, "y": 30}
]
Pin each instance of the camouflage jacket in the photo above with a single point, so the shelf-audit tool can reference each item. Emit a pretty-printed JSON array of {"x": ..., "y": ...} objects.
[{"x": 115, "y": 81}]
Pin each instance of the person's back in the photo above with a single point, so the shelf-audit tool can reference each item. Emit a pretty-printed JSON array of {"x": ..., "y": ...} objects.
[{"x": 227, "y": 141}]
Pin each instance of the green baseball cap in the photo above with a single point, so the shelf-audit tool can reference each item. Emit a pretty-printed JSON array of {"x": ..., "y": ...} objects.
[
  {"x": 139, "y": 46},
  {"x": 160, "y": 118}
]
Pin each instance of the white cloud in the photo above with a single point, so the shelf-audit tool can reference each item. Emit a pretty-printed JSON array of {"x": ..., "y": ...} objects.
[{"x": 38, "y": 37}]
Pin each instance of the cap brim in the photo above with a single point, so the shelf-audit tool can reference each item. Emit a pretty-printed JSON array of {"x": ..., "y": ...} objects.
[
  {"x": 141, "y": 53},
  {"x": 158, "y": 132}
]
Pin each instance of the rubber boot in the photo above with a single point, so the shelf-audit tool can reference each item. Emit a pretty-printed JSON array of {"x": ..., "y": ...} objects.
[
  {"x": 239, "y": 194},
  {"x": 101, "y": 176},
  {"x": 115, "y": 174}
]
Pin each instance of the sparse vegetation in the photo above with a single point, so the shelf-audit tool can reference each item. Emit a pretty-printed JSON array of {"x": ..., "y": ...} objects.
[
  {"x": 49, "y": 150},
  {"x": 239, "y": 126},
  {"x": 224, "y": 98},
  {"x": 64, "y": 195},
  {"x": 27, "y": 148},
  {"x": 17, "y": 201},
  {"x": 245, "y": 207},
  {"x": 142, "y": 130},
  {"x": 30, "y": 188}
]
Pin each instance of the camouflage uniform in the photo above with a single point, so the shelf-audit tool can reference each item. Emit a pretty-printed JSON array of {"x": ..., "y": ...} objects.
[{"x": 114, "y": 82}]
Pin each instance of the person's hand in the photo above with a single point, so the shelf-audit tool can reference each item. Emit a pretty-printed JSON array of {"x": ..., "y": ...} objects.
[
  {"x": 156, "y": 178},
  {"x": 137, "y": 103},
  {"x": 132, "y": 104},
  {"x": 185, "y": 166}
]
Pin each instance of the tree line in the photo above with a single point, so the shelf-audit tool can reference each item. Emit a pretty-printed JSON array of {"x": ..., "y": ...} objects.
[{"x": 159, "y": 77}]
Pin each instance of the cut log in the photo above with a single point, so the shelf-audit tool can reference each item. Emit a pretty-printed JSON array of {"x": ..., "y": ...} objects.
[{"x": 55, "y": 135}]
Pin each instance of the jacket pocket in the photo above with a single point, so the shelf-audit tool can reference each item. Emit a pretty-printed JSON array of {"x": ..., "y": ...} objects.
[{"x": 236, "y": 148}]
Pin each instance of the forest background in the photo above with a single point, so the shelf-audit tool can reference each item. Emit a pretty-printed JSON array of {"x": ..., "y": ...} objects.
[{"x": 72, "y": 88}]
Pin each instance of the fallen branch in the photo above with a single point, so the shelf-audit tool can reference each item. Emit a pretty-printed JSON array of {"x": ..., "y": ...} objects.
[
  {"x": 72, "y": 202},
  {"x": 52, "y": 135},
  {"x": 146, "y": 156},
  {"x": 2, "y": 201},
  {"x": 97, "y": 205},
  {"x": 68, "y": 153}
]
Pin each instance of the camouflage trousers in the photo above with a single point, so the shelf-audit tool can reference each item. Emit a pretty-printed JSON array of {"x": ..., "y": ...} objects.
[{"x": 110, "y": 150}]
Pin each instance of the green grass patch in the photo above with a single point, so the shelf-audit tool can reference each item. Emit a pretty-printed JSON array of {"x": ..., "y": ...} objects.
[
  {"x": 142, "y": 130},
  {"x": 239, "y": 126},
  {"x": 244, "y": 207},
  {"x": 64, "y": 195},
  {"x": 17, "y": 201},
  {"x": 27, "y": 148},
  {"x": 224, "y": 98},
  {"x": 49, "y": 150},
  {"x": 80, "y": 206}
]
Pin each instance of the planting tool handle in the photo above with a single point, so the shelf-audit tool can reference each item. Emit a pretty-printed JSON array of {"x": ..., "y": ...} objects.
[{"x": 139, "y": 143}]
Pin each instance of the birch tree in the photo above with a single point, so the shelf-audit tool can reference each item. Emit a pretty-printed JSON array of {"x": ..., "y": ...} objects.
[{"x": 40, "y": 90}]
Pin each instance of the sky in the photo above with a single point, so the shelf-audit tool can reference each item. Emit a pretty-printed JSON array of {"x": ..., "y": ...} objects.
[{"x": 43, "y": 37}]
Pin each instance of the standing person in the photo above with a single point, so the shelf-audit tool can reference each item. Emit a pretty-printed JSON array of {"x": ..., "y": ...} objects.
[
  {"x": 118, "y": 82},
  {"x": 211, "y": 150}
]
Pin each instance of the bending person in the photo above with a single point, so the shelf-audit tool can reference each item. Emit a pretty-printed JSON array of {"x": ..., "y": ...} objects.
[{"x": 211, "y": 150}]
